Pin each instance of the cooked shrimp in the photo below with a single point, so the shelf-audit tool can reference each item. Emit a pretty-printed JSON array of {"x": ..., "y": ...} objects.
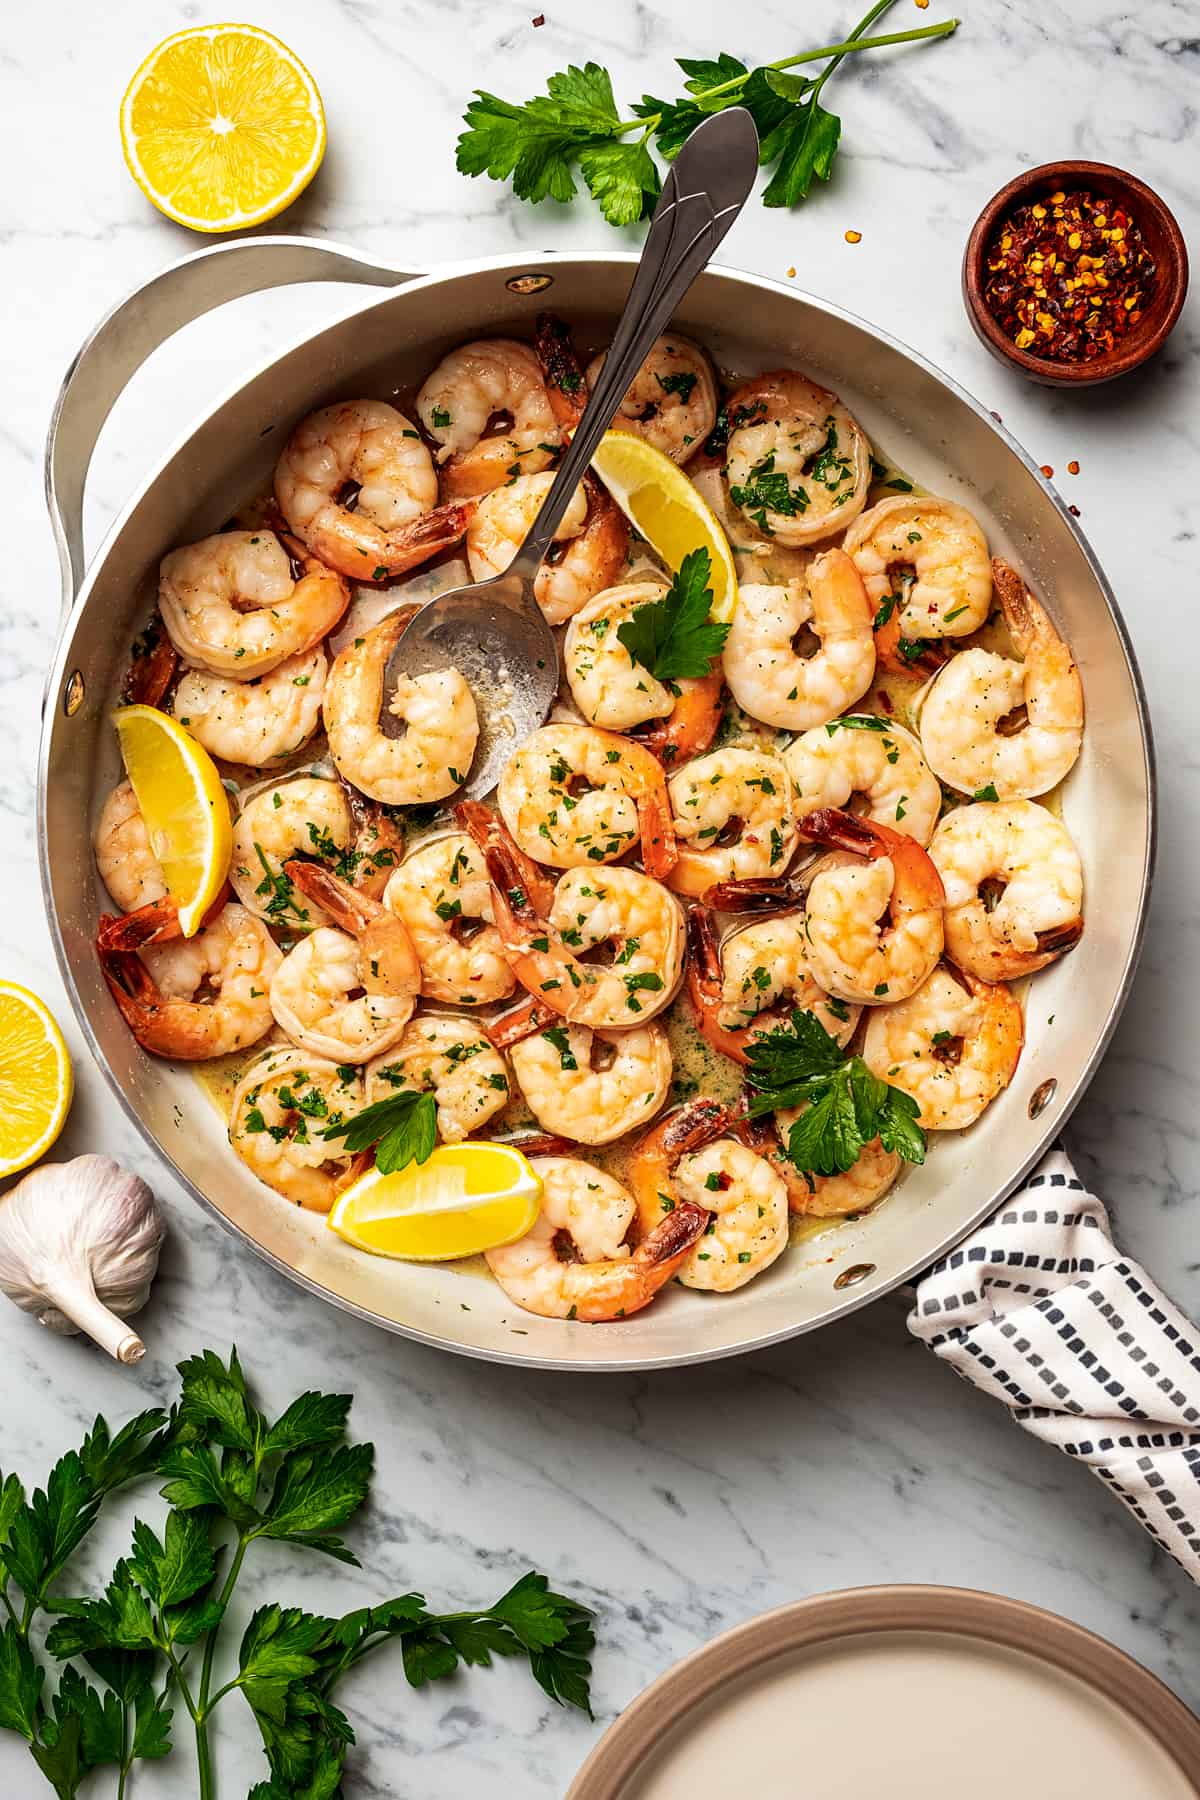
[
  {"x": 1016, "y": 727},
  {"x": 281, "y": 1107},
  {"x": 304, "y": 815},
  {"x": 601, "y": 1279},
  {"x": 254, "y": 722},
  {"x": 733, "y": 816},
  {"x": 452, "y": 1059},
  {"x": 866, "y": 755},
  {"x": 654, "y": 1158},
  {"x": 953, "y": 1045},
  {"x": 356, "y": 484},
  {"x": 874, "y": 926},
  {"x": 431, "y": 758},
  {"x": 1028, "y": 854},
  {"x": 487, "y": 408},
  {"x": 610, "y": 689},
  {"x": 587, "y": 555},
  {"x": 630, "y": 913},
  {"x": 767, "y": 676},
  {"x": 231, "y": 604},
  {"x": 443, "y": 895},
  {"x": 797, "y": 463},
  {"x": 590, "y": 1086},
  {"x": 574, "y": 796},
  {"x": 833, "y": 1196},
  {"x": 737, "y": 987},
  {"x": 346, "y": 993},
  {"x": 749, "y": 1202},
  {"x": 929, "y": 559},
  {"x": 671, "y": 401},
  {"x": 201, "y": 996},
  {"x": 128, "y": 866}
]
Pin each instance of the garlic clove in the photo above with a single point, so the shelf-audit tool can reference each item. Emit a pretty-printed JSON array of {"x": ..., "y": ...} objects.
[{"x": 76, "y": 1239}]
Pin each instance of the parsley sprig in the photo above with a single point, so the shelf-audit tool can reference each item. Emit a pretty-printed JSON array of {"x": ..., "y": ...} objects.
[
  {"x": 673, "y": 638},
  {"x": 232, "y": 1477},
  {"x": 846, "y": 1105},
  {"x": 576, "y": 122},
  {"x": 404, "y": 1126}
]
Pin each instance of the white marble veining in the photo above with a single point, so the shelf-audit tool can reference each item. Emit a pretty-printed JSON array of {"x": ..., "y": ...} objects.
[{"x": 676, "y": 1503}]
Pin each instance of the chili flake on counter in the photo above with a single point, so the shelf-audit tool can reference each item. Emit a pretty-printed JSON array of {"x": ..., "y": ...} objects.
[{"x": 1068, "y": 276}]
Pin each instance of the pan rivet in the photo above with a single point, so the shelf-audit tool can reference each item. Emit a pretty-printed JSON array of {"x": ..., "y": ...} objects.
[
  {"x": 1041, "y": 1097},
  {"x": 73, "y": 694},
  {"x": 529, "y": 284},
  {"x": 852, "y": 1276}
]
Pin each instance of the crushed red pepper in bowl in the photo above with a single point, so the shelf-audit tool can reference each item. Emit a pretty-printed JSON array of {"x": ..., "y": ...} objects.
[
  {"x": 1069, "y": 276},
  {"x": 1075, "y": 273}
]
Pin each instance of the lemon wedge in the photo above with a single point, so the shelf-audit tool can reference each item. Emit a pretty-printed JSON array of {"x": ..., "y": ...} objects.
[
  {"x": 185, "y": 808},
  {"x": 36, "y": 1078},
  {"x": 656, "y": 496},
  {"x": 222, "y": 127},
  {"x": 465, "y": 1198}
]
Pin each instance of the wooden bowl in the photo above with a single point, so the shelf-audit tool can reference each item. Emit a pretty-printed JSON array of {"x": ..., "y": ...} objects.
[{"x": 1163, "y": 239}]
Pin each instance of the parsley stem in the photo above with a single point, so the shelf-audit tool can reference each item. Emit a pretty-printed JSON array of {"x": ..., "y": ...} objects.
[
  {"x": 9, "y": 1607},
  {"x": 848, "y": 47},
  {"x": 185, "y": 1693},
  {"x": 210, "y": 1645}
]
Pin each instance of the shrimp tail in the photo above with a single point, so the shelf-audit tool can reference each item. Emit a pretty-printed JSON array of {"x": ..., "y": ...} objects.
[
  {"x": 155, "y": 923},
  {"x": 153, "y": 669},
  {"x": 846, "y": 831},
  {"x": 144, "y": 1008},
  {"x": 906, "y": 656},
  {"x": 766, "y": 894},
  {"x": 691, "y": 725},
  {"x": 426, "y": 536},
  {"x": 562, "y": 371},
  {"x": 520, "y": 1022},
  {"x": 664, "y": 1248},
  {"x": 705, "y": 984},
  {"x": 660, "y": 852},
  {"x": 489, "y": 831},
  {"x": 352, "y": 909}
]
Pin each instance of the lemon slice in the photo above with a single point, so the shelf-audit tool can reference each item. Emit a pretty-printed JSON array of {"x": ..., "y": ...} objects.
[
  {"x": 222, "y": 127},
  {"x": 656, "y": 496},
  {"x": 36, "y": 1079},
  {"x": 183, "y": 804},
  {"x": 465, "y": 1198}
]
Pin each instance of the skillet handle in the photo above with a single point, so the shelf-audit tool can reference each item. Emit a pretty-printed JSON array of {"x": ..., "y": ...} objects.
[{"x": 137, "y": 325}]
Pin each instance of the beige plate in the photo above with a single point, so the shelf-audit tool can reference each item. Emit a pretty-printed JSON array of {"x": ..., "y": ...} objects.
[{"x": 903, "y": 1691}]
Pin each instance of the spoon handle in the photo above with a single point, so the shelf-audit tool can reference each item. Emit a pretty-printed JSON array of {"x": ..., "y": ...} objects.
[{"x": 705, "y": 189}]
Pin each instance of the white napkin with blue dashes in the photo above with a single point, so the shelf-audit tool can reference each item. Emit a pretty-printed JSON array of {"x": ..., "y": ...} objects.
[{"x": 1040, "y": 1309}]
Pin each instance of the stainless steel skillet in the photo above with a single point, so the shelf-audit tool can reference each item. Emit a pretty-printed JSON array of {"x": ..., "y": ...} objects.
[{"x": 387, "y": 341}]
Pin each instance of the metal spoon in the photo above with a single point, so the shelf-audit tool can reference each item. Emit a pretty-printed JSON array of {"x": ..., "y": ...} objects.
[{"x": 493, "y": 631}]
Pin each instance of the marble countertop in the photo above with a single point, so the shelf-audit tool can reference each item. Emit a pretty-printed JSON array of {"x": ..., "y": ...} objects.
[{"x": 675, "y": 1503}]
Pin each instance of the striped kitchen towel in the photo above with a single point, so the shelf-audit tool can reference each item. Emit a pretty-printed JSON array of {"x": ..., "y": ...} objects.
[{"x": 1040, "y": 1309}]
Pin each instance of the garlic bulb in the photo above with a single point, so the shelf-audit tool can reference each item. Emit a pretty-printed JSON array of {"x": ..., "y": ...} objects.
[{"x": 77, "y": 1239}]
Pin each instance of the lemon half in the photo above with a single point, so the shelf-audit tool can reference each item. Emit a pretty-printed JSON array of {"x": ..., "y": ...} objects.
[
  {"x": 222, "y": 127},
  {"x": 465, "y": 1198},
  {"x": 36, "y": 1079},
  {"x": 656, "y": 496},
  {"x": 184, "y": 806}
]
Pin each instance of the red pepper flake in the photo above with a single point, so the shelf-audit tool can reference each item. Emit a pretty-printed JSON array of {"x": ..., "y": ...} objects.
[
  {"x": 1047, "y": 471},
  {"x": 1068, "y": 276},
  {"x": 540, "y": 20},
  {"x": 1072, "y": 468},
  {"x": 854, "y": 237},
  {"x": 1074, "y": 511}
]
